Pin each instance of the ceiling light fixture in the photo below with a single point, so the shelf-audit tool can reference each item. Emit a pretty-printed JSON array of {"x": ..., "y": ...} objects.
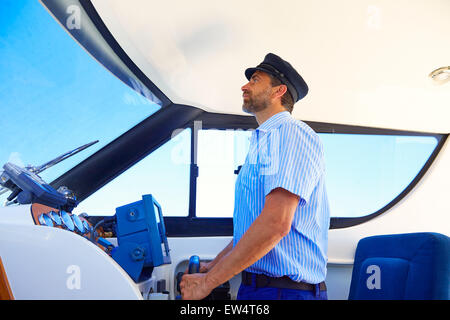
[{"x": 440, "y": 75}]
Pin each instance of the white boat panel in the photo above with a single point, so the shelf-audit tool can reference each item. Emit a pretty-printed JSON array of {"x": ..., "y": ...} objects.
[
  {"x": 366, "y": 62},
  {"x": 61, "y": 264}
]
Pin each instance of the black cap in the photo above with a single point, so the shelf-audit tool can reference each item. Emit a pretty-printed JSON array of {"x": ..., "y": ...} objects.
[{"x": 283, "y": 71}]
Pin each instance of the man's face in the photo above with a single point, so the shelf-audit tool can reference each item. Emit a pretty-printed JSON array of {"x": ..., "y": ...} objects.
[{"x": 257, "y": 93}]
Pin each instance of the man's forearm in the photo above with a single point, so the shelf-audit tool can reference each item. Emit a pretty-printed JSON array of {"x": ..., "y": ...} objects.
[
  {"x": 221, "y": 254},
  {"x": 273, "y": 223},
  {"x": 265, "y": 232},
  {"x": 259, "y": 239}
]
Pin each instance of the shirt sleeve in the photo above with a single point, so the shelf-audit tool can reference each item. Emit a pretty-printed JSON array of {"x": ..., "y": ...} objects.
[{"x": 294, "y": 161}]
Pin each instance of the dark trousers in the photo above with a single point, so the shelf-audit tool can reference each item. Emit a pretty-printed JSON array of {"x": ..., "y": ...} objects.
[{"x": 252, "y": 292}]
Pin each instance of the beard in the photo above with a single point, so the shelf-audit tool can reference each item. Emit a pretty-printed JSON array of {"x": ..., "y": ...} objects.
[{"x": 257, "y": 103}]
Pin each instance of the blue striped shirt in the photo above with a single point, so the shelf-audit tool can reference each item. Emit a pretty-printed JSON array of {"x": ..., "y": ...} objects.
[{"x": 286, "y": 153}]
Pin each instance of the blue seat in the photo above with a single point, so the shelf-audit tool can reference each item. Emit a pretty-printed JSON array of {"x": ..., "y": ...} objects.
[{"x": 412, "y": 266}]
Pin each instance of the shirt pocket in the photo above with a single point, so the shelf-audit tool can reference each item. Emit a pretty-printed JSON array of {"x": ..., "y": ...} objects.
[{"x": 248, "y": 177}]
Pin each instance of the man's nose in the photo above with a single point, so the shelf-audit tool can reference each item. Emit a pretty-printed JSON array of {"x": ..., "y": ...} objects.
[{"x": 245, "y": 86}]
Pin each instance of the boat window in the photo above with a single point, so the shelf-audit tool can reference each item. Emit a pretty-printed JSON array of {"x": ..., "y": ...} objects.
[
  {"x": 164, "y": 174},
  {"x": 364, "y": 173},
  {"x": 54, "y": 96},
  {"x": 220, "y": 152}
]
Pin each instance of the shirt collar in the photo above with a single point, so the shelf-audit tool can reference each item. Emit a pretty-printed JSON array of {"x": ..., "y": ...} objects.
[{"x": 274, "y": 121}]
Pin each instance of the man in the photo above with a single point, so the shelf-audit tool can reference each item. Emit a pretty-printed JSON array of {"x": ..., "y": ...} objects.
[{"x": 281, "y": 214}]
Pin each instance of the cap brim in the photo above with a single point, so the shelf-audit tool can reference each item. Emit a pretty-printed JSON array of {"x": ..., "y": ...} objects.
[{"x": 250, "y": 71}]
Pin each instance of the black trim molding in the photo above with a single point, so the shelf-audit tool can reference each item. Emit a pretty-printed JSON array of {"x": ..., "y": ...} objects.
[
  {"x": 125, "y": 151},
  {"x": 93, "y": 44}
]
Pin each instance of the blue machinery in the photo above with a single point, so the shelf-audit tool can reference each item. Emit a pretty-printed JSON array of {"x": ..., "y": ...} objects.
[{"x": 141, "y": 236}]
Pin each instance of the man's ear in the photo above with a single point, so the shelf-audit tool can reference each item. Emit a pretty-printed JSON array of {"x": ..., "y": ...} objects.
[{"x": 281, "y": 89}]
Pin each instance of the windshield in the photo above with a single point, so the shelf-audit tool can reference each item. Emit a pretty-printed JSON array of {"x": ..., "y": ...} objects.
[{"x": 54, "y": 97}]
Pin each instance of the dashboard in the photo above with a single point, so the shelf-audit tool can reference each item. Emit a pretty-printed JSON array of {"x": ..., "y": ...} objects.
[
  {"x": 138, "y": 226},
  {"x": 50, "y": 217}
]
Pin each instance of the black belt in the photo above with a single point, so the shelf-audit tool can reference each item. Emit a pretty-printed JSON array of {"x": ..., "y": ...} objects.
[{"x": 285, "y": 282}]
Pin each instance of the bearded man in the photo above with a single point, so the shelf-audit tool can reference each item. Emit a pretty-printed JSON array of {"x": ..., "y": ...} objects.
[{"x": 281, "y": 214}]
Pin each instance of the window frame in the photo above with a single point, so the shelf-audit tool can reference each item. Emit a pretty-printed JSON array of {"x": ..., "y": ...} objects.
[
  {"x": 193, "y": 226},
  {"x": 92, "y": 174}
]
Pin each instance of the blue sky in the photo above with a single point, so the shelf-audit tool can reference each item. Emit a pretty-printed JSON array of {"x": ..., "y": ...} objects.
[{"x": 54, "y": 97}]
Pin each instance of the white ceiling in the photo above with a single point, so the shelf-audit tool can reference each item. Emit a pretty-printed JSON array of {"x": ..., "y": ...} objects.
[{"x": 366, "y": 61}]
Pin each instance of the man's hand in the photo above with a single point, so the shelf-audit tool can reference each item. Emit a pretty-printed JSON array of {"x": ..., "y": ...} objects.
[
  {"x": 204, "y": 267},
  {"x": 194, "y": 286}
]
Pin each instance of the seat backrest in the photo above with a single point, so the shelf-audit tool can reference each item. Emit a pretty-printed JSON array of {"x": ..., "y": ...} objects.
[{"x": 402, "y": 267}]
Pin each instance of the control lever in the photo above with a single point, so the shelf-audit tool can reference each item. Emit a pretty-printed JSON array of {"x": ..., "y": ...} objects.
[
  {"x": 194, "y": 264},
  {"x": 194, "y": 267},
  {"x": 179, "y": 276}
]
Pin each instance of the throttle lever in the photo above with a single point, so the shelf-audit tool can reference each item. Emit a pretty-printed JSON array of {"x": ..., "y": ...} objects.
[
  {"x": 194, "y": 267},
  {"x": 179, "y": 276},
  {"x": 194, "y": 264}
]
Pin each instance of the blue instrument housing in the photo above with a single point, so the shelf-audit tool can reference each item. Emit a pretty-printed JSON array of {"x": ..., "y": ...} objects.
[
  {"x": 34, "y": 189},
  {"x": 141, "y": 237}
]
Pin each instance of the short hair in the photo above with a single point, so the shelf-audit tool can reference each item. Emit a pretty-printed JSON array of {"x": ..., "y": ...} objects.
[{"x": 286, "y": 99}]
